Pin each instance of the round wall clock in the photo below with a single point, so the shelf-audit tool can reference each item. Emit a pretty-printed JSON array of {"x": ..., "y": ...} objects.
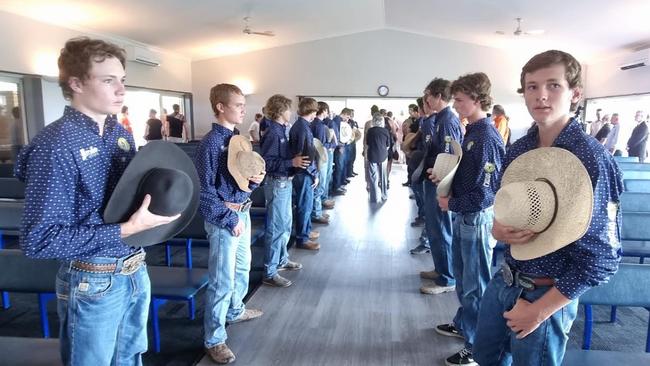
[{"x": 382, "y": 90}]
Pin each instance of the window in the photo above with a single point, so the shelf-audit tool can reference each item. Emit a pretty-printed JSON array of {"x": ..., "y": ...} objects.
[{"x": 12, "y": 125}]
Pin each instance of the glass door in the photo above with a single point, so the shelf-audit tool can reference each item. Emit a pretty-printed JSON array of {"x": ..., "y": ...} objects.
[{"x": 12, "y": 125}]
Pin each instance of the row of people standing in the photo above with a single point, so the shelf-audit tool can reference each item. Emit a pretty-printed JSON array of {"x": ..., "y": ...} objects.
[
  {"x": 172, "y": 127},
  {"x": 606, "y": 130}
]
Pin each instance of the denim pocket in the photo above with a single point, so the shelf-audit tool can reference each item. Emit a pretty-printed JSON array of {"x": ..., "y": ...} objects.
[
  {"x": 281, "y": 183},
  {"x": 92, "y": 286}
]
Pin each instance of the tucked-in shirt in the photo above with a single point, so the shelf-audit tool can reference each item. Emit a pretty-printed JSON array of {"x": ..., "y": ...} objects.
[
  {"x": 475, "y": 182},
  {"x": 301, "y": 142},
  {"x": 593, "y": 258},
  {"x": 275, "y": 150},
  {"x": 378, "y": 141},
  {"x": 70, "y": 171},
  {"x": 447, "y": 128},
  {"x": 217, "y": 184}
]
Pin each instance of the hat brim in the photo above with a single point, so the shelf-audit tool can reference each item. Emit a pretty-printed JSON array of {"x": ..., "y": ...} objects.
[
  {"x": 575, "y": 198},
  {"x": 444, "y": 186},
  {"x": 238, "y": 143},
  {"x": 121, "y": 205}
]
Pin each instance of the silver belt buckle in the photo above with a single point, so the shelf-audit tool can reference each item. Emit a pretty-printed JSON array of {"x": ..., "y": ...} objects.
[
  {"x": 245, "y": 206},
  {"x": 132, "y": 264},
  {"x": 506, "y": 272}
]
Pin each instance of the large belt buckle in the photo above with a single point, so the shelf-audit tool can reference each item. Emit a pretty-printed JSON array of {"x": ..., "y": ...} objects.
[
  {"x": 246, "y": 205},
  {"x": 132, "y": 264},
  {"x": 508, "y": 278}
]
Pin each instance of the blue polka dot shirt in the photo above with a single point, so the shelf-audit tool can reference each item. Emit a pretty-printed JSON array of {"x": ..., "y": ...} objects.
[
  {"x": 275, "y": 151},
  {"x": 301, "y": 142},
  {"x": 217, "y": 184},
  {"x": 319, "y": 130},
  {"x": 446, "y": 127},
  {"x": 70, "y": 172},
  {"x": 474, "y": 184},
  {"x": 592, "y": 259}
]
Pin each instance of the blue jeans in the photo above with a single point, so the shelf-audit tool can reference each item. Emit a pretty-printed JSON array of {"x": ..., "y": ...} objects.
[
  {"x": 103, "y": 315},
  {"x": 418, "y": 192},
  {"x": 304, "y": 194},
  {"x": 277, "y": 192},
  {"x": 317, "y": 210},
  {"x": 472, "y": 258},
  {"x": 339, "y": 168},
  {"x": 228, "y": 266},
  {"x": 351, "y": 156},
  {"x": 439, "y": 231},
  {"x": 377, "y": 181},
  {"x": 496, "y": 344},
  {"x": 328, "y": 176}
]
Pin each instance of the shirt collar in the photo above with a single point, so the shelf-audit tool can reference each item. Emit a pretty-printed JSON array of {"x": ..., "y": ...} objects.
[
  {"x": 222, "y": 130},
  {"x": 483, "y": 121},
  {"x": 71, "y": 113}
]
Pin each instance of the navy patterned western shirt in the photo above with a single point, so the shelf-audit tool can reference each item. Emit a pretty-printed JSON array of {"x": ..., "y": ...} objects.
[
  {"x": 70, "y": 171},
  {"x": 593, "y": 258},
  {"x": 301, "y": 142},
  {"x": 275, "y": 151},
  {"x": 445, "y": 128},
  {"x": 319, "y": 130},
  {"x": 217, "y": 185},
  {"x": 475, "y": 181}
]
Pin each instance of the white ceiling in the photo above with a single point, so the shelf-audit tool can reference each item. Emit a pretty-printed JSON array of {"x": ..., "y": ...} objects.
[{"x": 201, "y": 29}]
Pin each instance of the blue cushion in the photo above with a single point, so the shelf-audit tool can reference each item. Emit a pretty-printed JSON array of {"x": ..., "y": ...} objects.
[
  {"x": 630, "y": 286},
  {"x": 604, "y": 358},
  {"x": 637, "y": 185}
]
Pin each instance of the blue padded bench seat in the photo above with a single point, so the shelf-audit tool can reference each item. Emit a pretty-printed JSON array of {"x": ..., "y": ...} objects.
[
  {"x": 604, "y": 358},
  {"x": 636, "y": 174},
  {"x": 12, "y": 188},
  {"x": 625, "y": 159},
  {"x": 29, "y": 351},
  {"x": 635, "y": 202},
  {"x": 636, "y": 185},
  {"x": 6, "y": 170},
  {"x": 634, "y": 166}
]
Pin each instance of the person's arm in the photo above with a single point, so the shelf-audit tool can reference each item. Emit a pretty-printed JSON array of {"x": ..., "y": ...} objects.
[
  {"x": 146, "y": 132},
  {"x": 186, "y": 134},
  {"x": 211, "y": 206}
]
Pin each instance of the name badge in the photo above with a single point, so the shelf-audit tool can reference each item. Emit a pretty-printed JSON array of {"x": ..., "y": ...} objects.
[
  {"x": 88, "y": 153},
  {"x": 488, "y": 169},
  {"x": 123, "y": 144},
  {"x": 447, "y": 142}
]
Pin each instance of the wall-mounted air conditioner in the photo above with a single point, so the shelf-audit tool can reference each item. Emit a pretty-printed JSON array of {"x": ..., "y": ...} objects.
[
  {"x": 636, "y": 59},
  {"x": 141, "y": 55}
]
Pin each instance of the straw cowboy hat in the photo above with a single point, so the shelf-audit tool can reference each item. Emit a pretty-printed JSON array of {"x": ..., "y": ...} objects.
[
  {"x": 243, "y": 162},
  {"x": 356, "y": 134},
  {"x": 330, "y": 134},
  {"x": 321, "y": 153},
  {"x": 345, "y": 134},
  {"x": 407, "y": 144},
  {"x": 548, "y": 191},
  {"x": 164, "y": 171},
  {"x": 445, "y": 168}
]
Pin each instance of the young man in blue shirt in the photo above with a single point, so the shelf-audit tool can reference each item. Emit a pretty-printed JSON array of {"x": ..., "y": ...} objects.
[
  {"x": 277, "y": 190},
  {"x": 225, "y": 208},
  {"x": 531, "y": 325},
  {"x": 437, "y": 139},
  {"x": 471, "y": 199},
  {"x": 301, "y": 143},
  {"x": 321, "y": 194},
  {"x": 70, "y": 169},
  {"x": 340, "y": 156}
]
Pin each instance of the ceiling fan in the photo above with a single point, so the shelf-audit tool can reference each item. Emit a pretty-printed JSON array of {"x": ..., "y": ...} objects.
[
  {"x": 518, "y": 31},
  {"x": 248, "y": 30}
]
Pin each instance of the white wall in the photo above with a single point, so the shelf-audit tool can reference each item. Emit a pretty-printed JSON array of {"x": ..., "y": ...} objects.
[
  {"x": 32, "y": 47},
  {"x": 355, "y": 65},
  {"x": 606, "y": 79}
]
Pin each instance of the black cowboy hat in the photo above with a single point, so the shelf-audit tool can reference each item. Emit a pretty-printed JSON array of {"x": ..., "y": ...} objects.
[{"x": 162, "y": 170}]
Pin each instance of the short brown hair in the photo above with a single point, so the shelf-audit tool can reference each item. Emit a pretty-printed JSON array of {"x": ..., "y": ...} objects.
[
  {"x": 307, "y": 106},
  {"x": 220, "y": 93},
  {"x": 77, "y": 56},
  {"x": 276, "y": 105},
  {"x": 323, "y": 107},
  {"x": 572, "y": 69},
  {"x": 346, "y": 111},
  {"x": 477, "y": 86},
  {"x": 440, "y": 87}
]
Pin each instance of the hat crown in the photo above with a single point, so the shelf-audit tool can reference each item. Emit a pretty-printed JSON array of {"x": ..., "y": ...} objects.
[
  {"x": 527, "y": 205},
  {"x": 249, "y": 163},
  {"x": 170, "y": 191},
  {"x": 444, "y": 164}
]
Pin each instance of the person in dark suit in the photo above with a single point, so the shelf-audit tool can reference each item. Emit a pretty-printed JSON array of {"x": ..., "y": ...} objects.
[{"x": 636, "y": 145}]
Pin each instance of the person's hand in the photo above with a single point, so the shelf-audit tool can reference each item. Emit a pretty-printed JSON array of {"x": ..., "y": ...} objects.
[
  {"x": 313, "y": 186},
  {"x": 432, "y": 177},
  {"x": 301, "y": 162},
  {"x": 238, "y": 229},
  {"x": 143, "y": 219},
  {"x": 510, "y": 235},
  {"x": 443, "y": 202},
  {"x": 523, "y": 319},
  {"x": 257, "y": 179}
]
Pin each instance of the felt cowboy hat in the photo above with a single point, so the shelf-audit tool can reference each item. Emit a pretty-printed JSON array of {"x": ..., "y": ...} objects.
[
  {"x": 445, "y": 168},
  {"x": 162, "y": 170},
  {"x": 345, "y": 134},
  {"x": 321, "y": 153},
  {"x": 243, "y": 162},
  {"x": 548, "y": 191},
  {"x": 407, "y": 144}
]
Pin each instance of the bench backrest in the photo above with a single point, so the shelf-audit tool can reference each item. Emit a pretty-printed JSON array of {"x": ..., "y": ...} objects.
[
  {"x": 636, "y": 174},
  {"x": 22, "y": 274},
  {"x": 12, "y": 188},
  {"x": 630, "y": 286},
  {"x": 634, "y": 166},
  {"x": 10, "y": 215},
  {"x": 6, "y": 170},
  {"x": 636, "y": 226},
  {"x": 635, "y": 202},
  {"x": 636, "y": 185},
  {"x": 624, "y": 159}
]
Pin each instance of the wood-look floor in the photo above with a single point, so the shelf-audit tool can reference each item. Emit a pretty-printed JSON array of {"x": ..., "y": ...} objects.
[{"x": 357, "y": 300}]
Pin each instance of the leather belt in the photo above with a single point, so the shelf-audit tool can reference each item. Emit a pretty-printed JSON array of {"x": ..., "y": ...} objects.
[
  {"x": 240, "y": 207},
  {"x": 129, "y": 265},
  {"x": 516, "y": 278}
]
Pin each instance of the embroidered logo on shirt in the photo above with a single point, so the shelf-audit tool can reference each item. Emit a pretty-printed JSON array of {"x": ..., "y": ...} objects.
[
  {"x": 447, "y": 141},
  {"x": 88, "y": 153},
  {"x": 489, "y": 169},
  {"x": 612, "y": 224},
  {"x": 123, "y": 144},
  {"x": 469, "y": 145},
  {"x": 427, "y": 138}
]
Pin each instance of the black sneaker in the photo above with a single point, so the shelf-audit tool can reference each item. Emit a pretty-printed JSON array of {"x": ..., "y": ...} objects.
[
  {"x": 449, "y": 330},
  {"x": 420, "y": 249},
  {"x": 462, "y": 357}
]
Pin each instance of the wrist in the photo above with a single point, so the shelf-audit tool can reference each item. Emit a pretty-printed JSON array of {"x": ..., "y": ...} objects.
[{"x": 126, "y": 229}]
